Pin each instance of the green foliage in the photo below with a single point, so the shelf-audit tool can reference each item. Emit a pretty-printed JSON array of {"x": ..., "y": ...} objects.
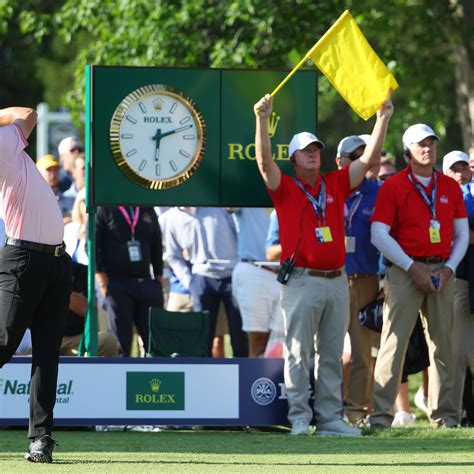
[{"x": 414, "y": 37}]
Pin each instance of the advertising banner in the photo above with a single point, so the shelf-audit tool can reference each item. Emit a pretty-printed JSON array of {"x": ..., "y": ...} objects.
[{"x": 153, "y": 391}]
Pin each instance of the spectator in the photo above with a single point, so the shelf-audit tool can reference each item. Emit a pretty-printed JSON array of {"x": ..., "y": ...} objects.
[
  {"x": 374, "y": 170},
  {"x": 254, "y": 284},
  {"x": 75, "y": 239},
  {"x": 68, "y": 149},
  {"x": 387, "y": 169},
  {"x": 78, "y": 176},
  {"x": 180, "y": 299},
  {"x": 208, "y": 236},
  {"x": 74, "y": 329},
  {"x": 420, "y": 226},
  {"x": 456, "y": 165},
  {"x": 75, "y": 233},
  {"x": 361, "y": 267},
  {"x": 314, "y": 294},
  {"x": 49, "y": 168},
  {"x": 128, "y": 242}
]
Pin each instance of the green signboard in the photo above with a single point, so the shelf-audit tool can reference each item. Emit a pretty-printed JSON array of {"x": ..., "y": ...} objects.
[
  {"x": 178, "y": 136},
  {"x": 155, "y": 390}
]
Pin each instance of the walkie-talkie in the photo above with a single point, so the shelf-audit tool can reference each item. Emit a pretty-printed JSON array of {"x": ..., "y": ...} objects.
[{"x": 286, "y": 268}]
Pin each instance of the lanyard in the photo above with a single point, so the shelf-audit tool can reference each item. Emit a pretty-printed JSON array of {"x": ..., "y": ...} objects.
[
  {"x": 430, "y": 202},
  {"x": 319, "y": 205},
  {"x": 353, "y": 209},
  {"x": 135, "y": 216}
]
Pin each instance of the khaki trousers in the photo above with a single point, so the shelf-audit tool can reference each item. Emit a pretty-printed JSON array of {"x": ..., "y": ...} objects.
[
  {"x": 463, "y": 341},
  {"x": 362, "y": 291},
  {"x": 403, "y": 301},
  {"x": 316, "y": 315},
  {"x": 180, "y": 302},
  {"x": 107, "y": 345}
]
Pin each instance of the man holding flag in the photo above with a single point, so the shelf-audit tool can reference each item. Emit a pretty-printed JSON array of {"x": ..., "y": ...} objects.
[{"x": 315, "y": 297}]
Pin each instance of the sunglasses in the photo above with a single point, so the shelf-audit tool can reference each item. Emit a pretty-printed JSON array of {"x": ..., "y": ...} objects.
[{"x": 383, "y": 177}]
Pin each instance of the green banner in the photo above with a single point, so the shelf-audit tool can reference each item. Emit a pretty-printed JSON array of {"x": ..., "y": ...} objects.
[
  {"x": 180, "y": 136},
  {"x": 155, "y": 390}
]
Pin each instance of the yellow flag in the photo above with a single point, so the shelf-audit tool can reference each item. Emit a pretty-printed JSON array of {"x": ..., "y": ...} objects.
[{"x": 346, "y": 58}]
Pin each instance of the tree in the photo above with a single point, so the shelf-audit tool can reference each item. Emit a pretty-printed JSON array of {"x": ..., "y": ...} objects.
[{"x": 427, "y": 43}]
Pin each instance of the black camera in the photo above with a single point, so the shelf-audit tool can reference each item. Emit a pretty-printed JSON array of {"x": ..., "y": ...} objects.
[{"x": 286, "y": 268}]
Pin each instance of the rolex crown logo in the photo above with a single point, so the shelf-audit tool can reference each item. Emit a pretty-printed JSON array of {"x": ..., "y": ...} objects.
[
  {"x": 273, "y": 124},
  {"x": 158, "y": 103},
  {"x": 155, "y": 385}
]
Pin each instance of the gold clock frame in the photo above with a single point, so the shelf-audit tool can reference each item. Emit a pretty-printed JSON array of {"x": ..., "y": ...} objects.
[{"x": 114, "y": 136}]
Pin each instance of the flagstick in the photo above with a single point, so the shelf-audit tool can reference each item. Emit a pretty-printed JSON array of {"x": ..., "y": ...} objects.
[{"x": 288, "y": 77}]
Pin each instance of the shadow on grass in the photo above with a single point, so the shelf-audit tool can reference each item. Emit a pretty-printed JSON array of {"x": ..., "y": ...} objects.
[{"x": 210, "y": 464}]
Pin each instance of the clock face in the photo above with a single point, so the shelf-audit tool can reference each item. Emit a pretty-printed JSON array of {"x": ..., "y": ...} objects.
[{"x": 157, "y": 137}]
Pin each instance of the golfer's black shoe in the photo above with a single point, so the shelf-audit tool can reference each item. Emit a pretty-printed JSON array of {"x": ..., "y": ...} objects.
[{"x": 41, "y": 450}]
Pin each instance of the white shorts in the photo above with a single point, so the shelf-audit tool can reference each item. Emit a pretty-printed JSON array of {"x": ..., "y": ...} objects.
[{"x": 258, "y": 295}]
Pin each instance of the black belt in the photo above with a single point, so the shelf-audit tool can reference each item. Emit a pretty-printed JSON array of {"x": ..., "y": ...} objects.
[{"x": 56, "y": 250}]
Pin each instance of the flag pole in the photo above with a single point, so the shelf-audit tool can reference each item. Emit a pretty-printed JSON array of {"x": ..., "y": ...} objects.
[{"x": 288, "y": 77}]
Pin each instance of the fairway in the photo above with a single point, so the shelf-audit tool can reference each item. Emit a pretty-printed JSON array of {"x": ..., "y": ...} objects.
[{"x": 396, "y": 450}]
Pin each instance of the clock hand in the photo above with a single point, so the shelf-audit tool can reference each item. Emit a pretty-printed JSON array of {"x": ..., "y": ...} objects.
[
  {"x": 158, "y": 136},
  {"x": 180, "y": 129}
]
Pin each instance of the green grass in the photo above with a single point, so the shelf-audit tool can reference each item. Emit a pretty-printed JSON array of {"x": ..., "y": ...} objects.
[{"x": 420, "y": 449}]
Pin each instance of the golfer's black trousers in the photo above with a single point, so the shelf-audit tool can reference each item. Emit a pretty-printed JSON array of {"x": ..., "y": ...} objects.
[{"x": 34, "y": 292}]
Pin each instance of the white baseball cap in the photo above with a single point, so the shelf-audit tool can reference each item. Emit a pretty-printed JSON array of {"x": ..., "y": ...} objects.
[
  {"x": 302, "y": 140},
  {"x": 416, "y": 133},
  {"x": 454, "y": 157},
  {"x": 68, "y": 144},
  {"x": 365, "y": 137},
  {"x": 348, "y": 144}
]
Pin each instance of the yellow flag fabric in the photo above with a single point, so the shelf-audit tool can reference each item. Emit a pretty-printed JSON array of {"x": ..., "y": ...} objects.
[{"x": 346, "y": 58}]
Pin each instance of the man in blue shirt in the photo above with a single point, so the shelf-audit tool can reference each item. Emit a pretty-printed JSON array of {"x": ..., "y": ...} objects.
[
  {"x": 456, "y": 165},
  {"x": 361, "y": 267},
  {"x": 208, "y": 236}
]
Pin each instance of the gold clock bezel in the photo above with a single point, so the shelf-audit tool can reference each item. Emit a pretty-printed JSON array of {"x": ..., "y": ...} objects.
[{"x": 114, "y": 136}]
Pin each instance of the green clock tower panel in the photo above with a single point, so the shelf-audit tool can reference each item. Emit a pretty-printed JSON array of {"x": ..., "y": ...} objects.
[
  {"x": 178, "y": 136},
  {"x": 294, "y": 110}
]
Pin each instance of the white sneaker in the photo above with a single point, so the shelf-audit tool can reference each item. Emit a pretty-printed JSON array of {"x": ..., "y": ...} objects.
[
  {"x": 337, "y": 428},
  {"x": 403, "y": 418},
  {"x": 300, "y": 427},
  {"x": 421, "y": 401}
]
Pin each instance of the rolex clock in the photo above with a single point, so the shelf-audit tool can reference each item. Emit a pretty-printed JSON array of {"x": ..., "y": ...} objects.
[{"x": 157, "y": 137}]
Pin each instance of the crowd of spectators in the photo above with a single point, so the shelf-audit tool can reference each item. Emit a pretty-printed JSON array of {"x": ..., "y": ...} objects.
[{"x": 226, "y": 261}]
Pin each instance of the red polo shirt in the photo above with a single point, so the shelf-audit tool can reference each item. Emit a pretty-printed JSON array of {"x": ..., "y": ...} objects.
[
  {"x": 296, "y": 218},
  {"x": 400, "y": 205}
]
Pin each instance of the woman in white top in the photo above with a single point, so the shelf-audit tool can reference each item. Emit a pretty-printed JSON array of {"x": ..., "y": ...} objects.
[{"x": 75, "y": 233}]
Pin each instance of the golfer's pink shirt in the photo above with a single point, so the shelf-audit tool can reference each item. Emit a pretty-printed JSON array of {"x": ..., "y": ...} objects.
[{"x": 28, "y": 205}]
